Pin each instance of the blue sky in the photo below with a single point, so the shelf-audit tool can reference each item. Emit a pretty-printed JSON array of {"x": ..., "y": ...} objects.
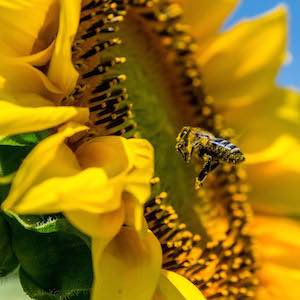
[{"x": 290, "y": 74}]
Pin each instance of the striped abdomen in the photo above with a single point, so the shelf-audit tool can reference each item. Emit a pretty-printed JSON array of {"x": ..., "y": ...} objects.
[{"x": 225, "y": 151}]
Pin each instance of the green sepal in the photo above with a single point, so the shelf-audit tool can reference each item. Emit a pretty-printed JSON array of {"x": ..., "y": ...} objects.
[
  {"x": 36, "y": 292},
  {"x": 48, "y": 224},
  {"x": 54, "y": 266},
  {"x": 41, "y": 223},
  {"x": 26, "y": 139},
  {"x": 4, "y": 189},
  {"x": 13, "y": 150},
  {"x": 11, "y": 157},
  {"x": 8, "y": 261}
]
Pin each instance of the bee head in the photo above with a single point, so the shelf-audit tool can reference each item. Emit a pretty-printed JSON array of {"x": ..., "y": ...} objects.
[{"x": 183, "y": 142}]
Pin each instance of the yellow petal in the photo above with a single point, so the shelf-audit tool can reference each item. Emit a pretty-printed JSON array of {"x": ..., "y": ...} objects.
[
  {"x": 38, "y": 59},
  {"x": 283, "y": 152},
  {"x": 95, "y": 224},
  {"x": 70, "y": 193},
  {"x": 173, "y": 286},
  {"x": 107, "y": 152},
  {"x": 274, "y": 176},
  {"x": 138, "y": 180},
  {"x": 15, "y": 119},
  {"x": 28, "y": 100},
  {"x": 50, "y": 158},
  {"x": 34, "y": 42},
  {"x": 276, "y": 240},
  {"x": 206, "y": 16},
  {"x": 27, "y": 26},
  {"x": 61, "y": 69},
  {"x": 128, "y": 268},
  {"x": 134, "y": 213},
  {"x": 240, "y": 65},
  {"x": 18, "y": 77},
  {"x": 278, "y": 113},
  {"x": 135, "y": 159},
  {"x": 139, "y": 176},
  {"x": 277, "y": 283},
  {"x": 130, "y": 161},
  {"x": 289, "y": 110}
]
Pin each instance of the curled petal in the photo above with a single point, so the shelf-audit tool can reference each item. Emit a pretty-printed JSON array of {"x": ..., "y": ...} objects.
[
  {"x": 35, "y": 43},
  {"x": 128, "y": 268},
  {"x": 61, "y": 69},
  {"x": 27, "y": 26},
  {"x": 173, "y": 286},
  {"x": 139, "y": 176},
  {"x": 38, "y": 59},
  {"x": 134, "y": 158},
  {"x": 127, "y": 161},
  {"x": 107, "y": 152},
  {"x": 50, "y": 158},
  {"x": 95, "y": 224},
  {"x": 20, "y": 78}
]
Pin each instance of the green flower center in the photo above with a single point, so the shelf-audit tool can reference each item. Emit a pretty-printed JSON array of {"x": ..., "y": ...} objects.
[{"x": 139, "y": 78}]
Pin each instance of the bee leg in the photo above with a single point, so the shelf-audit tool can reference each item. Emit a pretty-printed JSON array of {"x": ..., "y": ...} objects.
[
  {"x": 203, "y": 173},
  {"x": 214, "y": 165}
]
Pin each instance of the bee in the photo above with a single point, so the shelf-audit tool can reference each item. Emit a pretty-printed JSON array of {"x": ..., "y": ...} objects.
[{"x": 196, "y": 143}]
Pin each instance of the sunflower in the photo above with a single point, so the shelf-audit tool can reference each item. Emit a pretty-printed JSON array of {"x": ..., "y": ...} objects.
[{"x": 137, "y": 73}]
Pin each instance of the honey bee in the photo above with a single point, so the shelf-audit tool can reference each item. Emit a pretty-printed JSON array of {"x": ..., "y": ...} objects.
[{"x": 196, "y": 143}]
